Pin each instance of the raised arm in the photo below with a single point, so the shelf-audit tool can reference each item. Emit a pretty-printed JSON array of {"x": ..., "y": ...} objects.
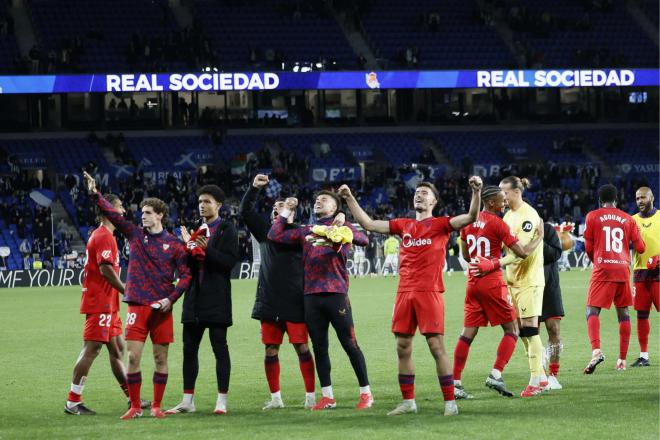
[
  {"x": 463, "y": 220},
  {"x": 256, "y": 223},
  {"x": 279, "y": 233},
  {"x": 360, "y": 216},
  {"x": 124, "y": 226},
  {"x": 225, "y": 253}
]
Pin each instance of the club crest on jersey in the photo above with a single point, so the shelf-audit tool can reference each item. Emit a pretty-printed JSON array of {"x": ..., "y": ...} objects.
[
  {"x": 408, "y": 241},
  {"x": 527, "y": 226},
  {"x": 106, "y": 254},
  {"x": 166, "y": 246}
]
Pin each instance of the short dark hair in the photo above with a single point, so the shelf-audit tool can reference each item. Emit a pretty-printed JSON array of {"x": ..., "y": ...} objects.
[
  {"x": 157, "y": 205},
  {"x": 111, "y": 198},
  {"x": 332, "y": 194},
  {"x": 214, "y": 191},
  {"x": 607, "y": 193},
  {"x": 430, "y": 186}
]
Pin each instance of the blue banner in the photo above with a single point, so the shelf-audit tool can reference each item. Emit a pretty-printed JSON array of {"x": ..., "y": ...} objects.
[{"x": 431, "y": 79}]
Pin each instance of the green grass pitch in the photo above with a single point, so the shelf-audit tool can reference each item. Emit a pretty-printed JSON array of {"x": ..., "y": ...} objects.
[{"x": 41, "y": 338}]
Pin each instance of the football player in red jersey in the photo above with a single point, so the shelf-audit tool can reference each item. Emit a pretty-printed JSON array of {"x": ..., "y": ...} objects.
[
  {"x": 156, "y": 257},
  {"x": 487, "y": 299},
  {"x": 100, "y": 304},
  {"x": 419, "y": 300},
  {"x": 607, "y": 237}
]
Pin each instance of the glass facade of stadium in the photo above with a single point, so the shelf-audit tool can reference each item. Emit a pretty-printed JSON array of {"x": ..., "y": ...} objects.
[{"x": 319, "y": 108}]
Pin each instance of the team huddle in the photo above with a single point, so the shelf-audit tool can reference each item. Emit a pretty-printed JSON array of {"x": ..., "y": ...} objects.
[{"x": 314, "y": 293}]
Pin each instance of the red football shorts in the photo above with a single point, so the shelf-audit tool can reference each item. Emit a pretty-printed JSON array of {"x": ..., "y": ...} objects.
[
  {"x": 272, "y": 333},
  {"x": 603, "y": 293},
  {"x": 487, "y": 301},
  {"x": 143, "y": 320},
  {"x": 646, "y": 295},
  {"x": 101, "y": 327},
  {"x": 425, "y": 310}
]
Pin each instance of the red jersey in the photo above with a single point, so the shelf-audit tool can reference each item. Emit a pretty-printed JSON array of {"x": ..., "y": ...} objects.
[
  {"x": 485, "y": 238},
  {"x": 422, "y": 252},
  {"x": 98, "y": 296},
  {"x": 607, "y": 238}
]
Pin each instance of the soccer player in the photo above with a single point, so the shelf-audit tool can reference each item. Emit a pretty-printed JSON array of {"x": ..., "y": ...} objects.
[
  {"x": 526, "y": 280},
  {"x": 326, "y": 294},
  {"x": 607, "y": 236},
  {"x": 150, "y": 292},
  {"x": 279, "y": 304},
  {"x": 207, "y": 303},
  {"x": 487, "y": 300},
  {"x": 100, "y": 304},
  {"x": 646, "y": 274},
  {"x": 419, "y": 300},
  {"x": 391, "y": 251},
  {"x": 553, "y": 307},
  {"x": 360, "y": 261}
]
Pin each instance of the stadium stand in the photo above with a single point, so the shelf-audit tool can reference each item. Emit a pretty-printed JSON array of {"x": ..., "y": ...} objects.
[{"x": 566, "y": 167}]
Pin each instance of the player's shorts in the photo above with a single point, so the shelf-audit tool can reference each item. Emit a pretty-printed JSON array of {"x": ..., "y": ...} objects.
[
  {"x": 101, "y": 327},
  {"x": 425, "y": 310},
  {"x": 602, "y": 293},
  {"x": 272, "y": 333},
  {"x": 144, "y": 320},
  {"x": 487, "y": 301},
  {"x": 528, "y": 300},
  {"x": 553, "y": 306},
  {"x": 647, "y": 295}
]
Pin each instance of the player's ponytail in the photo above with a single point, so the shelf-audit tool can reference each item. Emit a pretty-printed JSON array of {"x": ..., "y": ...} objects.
[{"x": 517, "y": 183}]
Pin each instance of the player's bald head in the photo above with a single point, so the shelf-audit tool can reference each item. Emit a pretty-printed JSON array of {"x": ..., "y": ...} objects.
[
  {"x": 644, "y": 199},
  {"x": 644, "y": 190}
]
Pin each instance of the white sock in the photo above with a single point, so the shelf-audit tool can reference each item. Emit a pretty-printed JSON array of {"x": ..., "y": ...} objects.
[
  {"x": 457, "y": 383},
  {"x": 497, "y": 374},
  {"x": 595, "y": 352},
  {"x": 365, "y": 390},
  {"x": 450, "y": 403},
  {"x": 411, "y": 401},
  {"x": 644, "y": 354},
  {"x": 534, "y": 381},
  {"x": 310, "y": 396},
  {"x": 187, "y": 399},
  {"x": 277, "y": 395},
  {"x": 222, "y": 401},
  {"x": 327, "y": 392}
]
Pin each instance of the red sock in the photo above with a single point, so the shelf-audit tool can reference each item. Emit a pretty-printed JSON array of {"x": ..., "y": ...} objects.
[
  {"x": 593, "y": 329},
  {"x": 134, "y": 381},
  {"x": 624, "y": 337},
  {"x": 447, "y": 387},
  {"x": 460, "y": 355},
  {"x": 505, "y": 350},
  {"x": 407, "y": 386},
  {"x": 73, "y": 397},
  {"x": 272, "y": 366},
  {"x": 124, "y": 388},
  {"x": 160, "y": 382},
  {"x": 307, "y": 369},
  {"x": 554, "y": 368},
  {"x": 643, "y": 330}
]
